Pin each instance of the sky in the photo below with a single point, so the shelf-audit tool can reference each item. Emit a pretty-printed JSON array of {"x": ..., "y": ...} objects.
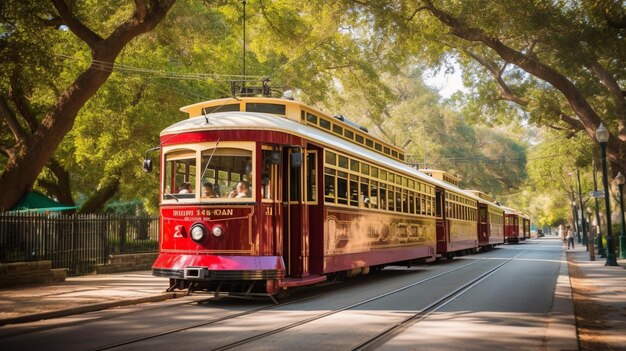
[{"x": 446, "y": 83}]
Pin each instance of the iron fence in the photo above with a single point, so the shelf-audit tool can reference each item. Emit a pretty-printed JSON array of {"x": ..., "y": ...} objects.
[{"x": 75, "y": 242}]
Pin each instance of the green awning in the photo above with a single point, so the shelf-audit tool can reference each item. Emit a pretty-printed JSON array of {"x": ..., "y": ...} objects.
[{"x": 37, "y": 202}]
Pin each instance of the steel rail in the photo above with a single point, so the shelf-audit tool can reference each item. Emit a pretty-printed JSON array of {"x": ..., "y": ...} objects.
[
  {"x": 236, "y": 315},
  {"x": 399, "y": 327},
  {"x": 330, "y": 313},
  {"x": 270, "y": 307}
]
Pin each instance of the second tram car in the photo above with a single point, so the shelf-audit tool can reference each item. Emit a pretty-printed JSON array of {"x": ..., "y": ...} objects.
[{"x": 261, "y": 194}]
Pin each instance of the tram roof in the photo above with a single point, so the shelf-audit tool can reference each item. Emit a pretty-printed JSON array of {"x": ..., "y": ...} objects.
[{"x": 266, "y": 121}]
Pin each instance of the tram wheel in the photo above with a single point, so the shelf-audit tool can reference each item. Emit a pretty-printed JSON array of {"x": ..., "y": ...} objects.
[{"x": 283, "y": 294}]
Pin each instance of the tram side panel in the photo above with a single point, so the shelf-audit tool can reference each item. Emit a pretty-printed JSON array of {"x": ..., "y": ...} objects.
[
  {"x": 457, "y": 229},
  {"x": 356, "y": 239},
  {"x": 496, "y": 227}
]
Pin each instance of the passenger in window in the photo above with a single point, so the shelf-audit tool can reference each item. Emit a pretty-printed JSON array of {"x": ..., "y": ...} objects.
[
  {"x": 207, "y": 190},
  {"x": 185, "y": 188},
  {"x": 365, "y": 199},
  {"x": 242, "y": 190}
]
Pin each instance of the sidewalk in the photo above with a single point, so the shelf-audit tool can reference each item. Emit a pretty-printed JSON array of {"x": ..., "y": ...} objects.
[
  {"x": 79, "y": 295},
  {"x": 599, "y": 294}
]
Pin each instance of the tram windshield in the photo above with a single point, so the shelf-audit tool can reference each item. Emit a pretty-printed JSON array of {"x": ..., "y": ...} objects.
[
  {"x": 226, "y": 173},
  {"x": 218, "y": 174}
]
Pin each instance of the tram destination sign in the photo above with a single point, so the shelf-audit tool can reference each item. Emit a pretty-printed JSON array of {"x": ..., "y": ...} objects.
[{"x": 597, "y": 194}]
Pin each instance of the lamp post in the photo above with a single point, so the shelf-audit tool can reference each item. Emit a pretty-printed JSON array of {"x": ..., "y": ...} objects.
[
  {"x": 574, "y": 227},
  {"x": 598, "y": 221},
  {"x": 622, "y": 236},
  {"x": 582, "y": 211},
  {"x": 602, "y": 135}
]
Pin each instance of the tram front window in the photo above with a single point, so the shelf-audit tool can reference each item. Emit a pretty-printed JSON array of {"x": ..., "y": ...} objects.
[
  {"x": 226, "y": 173},
  {"x": 180, "y": 175}
]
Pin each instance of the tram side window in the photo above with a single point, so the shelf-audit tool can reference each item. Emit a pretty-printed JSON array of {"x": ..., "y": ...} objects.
[
  {"x": 311, "y": 170},
  {"x": 329, "y": 185},
  {"x": 342, "y": 188},
  {"x": 266, "y": 175},
  {"x": 354, "y": 191},
  {"x": 364, "y": 194},
  {"x": 383, "y": 196},
  {"x": 229, "y": 172},
  {"x": 180, "y": 175},
  {"x": 418, "y": 206},
  {"x": 374, "y": 199},
  {"x": 294, "y": 183},
  {"x": 391, "y": 202}
]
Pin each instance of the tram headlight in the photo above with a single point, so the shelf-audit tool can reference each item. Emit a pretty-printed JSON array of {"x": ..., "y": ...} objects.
[
  {"x": 198, "y": 232},
  {"x": 218, "y": 231}
]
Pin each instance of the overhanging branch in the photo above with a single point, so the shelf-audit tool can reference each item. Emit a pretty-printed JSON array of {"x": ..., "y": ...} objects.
[
  {"x": 77, "y": 27},
  {"x": 11, "y": 119}
]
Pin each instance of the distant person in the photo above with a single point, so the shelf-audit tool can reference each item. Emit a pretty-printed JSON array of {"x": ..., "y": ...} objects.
[
  {"x": 242, "y": 190},
  {"x": 207, "y": 190},
  {"x": 185, "y": 188},
  {"x": 570, "y": 237}
]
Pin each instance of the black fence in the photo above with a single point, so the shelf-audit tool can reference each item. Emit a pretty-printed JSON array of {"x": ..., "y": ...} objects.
[{"x": 75, "y": 242}]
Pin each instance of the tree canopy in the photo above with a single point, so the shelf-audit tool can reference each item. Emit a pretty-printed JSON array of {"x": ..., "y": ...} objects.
[
  {"x": 87, "y": 86},
  {"x": 554, "y": 64}
]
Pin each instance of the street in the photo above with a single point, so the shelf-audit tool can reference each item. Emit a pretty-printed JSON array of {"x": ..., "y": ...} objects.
[{"x": 502, "y": 299}]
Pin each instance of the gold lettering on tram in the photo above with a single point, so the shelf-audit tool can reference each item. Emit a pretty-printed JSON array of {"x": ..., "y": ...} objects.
[{"x": 214, "y": 212}]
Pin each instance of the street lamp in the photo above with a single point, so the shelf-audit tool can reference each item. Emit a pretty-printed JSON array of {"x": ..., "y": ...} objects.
[
  {"x": 601, "y": 250},
  {"x": 602, "y": 135},
  {"x": 622, "y": 236},
  {"x": 582, "y": 211},
  {"x": 575, "y": 220}
]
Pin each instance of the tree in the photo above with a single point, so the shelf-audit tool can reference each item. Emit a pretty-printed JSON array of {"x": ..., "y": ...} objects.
[
  {"x": 48, "y": 122},
  {"x": 557, "y": 65}
]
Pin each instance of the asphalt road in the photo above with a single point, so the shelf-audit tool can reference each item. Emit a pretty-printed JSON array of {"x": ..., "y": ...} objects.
[{"x": 501, "y": 299}]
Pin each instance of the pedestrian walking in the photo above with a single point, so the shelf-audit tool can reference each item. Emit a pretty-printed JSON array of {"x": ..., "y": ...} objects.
[{"x": 570, "y": 237}]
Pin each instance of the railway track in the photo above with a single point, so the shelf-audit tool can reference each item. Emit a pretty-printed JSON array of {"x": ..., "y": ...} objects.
[{"x": 297, "y": 323}]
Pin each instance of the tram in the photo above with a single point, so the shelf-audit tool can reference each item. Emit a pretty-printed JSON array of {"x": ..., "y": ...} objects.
[
  {"x": 259, "y": 195},
  {"x": 513, "y": 225},
  {"x": 490, "y": 221}
]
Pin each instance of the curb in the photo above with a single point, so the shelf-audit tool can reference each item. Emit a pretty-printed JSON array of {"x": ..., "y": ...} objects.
[
  {"x": 561, "y": 332},
  {"x": 86, "y": 308}
]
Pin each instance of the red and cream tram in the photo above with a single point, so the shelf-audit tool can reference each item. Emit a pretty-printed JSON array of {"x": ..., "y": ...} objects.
[
  {"x": 513, "y": 225},
  {"x": 490, "y": 220},
  {"x": 262, "y": 194},
  {"x": 525, "y": 226}
]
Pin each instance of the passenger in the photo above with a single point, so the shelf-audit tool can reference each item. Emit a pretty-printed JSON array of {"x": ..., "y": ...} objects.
[
  {"x": 570, "y": 237},
  {"x": 185, "y": 188},
  {"x": 207, "y": 190},
  {"x": 242, "y": 190}
]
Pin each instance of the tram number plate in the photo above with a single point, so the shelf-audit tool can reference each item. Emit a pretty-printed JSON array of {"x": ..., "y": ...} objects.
[{"x": 268, "y": 211}]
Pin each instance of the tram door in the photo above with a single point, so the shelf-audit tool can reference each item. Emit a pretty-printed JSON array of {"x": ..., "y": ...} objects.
[
  {"x": 271, "y": 198},
  {"x": 483, "y": 224},
  {"x": 442, "y": 229},
  {"x": 294, "y": 218}
]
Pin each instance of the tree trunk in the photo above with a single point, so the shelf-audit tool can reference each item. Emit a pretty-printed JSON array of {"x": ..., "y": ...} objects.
[{"x": 99, "y": 198}]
